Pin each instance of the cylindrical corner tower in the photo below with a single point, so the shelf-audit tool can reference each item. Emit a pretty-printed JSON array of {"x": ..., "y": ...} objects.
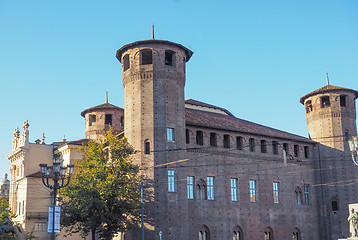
[
  {"x": 153, "y": 80},
  {"x": 100, "y": 118},
  {"x": 331, "y": 115}
]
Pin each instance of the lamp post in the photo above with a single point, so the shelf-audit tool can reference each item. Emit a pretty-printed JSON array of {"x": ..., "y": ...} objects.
[
  {"x": 61, "y": 178},
  {"x": 353, "y": 145}
]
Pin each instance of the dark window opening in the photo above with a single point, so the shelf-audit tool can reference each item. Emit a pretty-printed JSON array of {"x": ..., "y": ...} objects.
[
  {"x": 274, "y": 147},
  {"x": 199, "y": 138},
  {"x": 122, "y": 122},
  {"x": 169, "y": 57},
  {"x": 92, "y": 119},
  {"x": 308, "y": 106},
  {"x": 108, "y": 119},
  {"x": 146, "y": 147},
  {"x": 263, "y": 146},
  {"x": 343, "y": 100},
  {"x": 306, "y": 152},
  {"x": 226, "y": 141},
  {"x": 285, "y": 148},
  {"x": 239, "y": 143},
  {"x": 146, "y": 57},
  {"x": 126, "y": 64},
  {"x": 187, "y": 136},
  {"x": 213, "y": 139},
  {"x": 334, "y": 205},
  {"x": 252, "y": 145},
  {"x": 296, "y": 150},
  {"x": 325, "y": 102},
  {"x": 346, "y": 137}
]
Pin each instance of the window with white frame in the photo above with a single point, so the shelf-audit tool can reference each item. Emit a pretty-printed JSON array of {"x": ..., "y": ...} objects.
[
  {"x": 170, "y": 134},
  {"x": 307, "y": 194},
  {"x": 171, "y": 181},
  {"x": 253, "y": 197},
  {"x": 276, "y": 192},
  {"x": 40, "y": 227},
  {"x": 234, "y": 189},
  {"x": 210, "y": 188},
  {"x": 190, "y": 187}
]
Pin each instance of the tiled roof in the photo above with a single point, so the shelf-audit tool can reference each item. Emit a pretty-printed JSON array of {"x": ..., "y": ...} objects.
[
  {"x": 100, "y": 107},
  {"x": 327, "y": 88},
  {"x": 230, "y": 123},
  {"x": 202, "y": 104}
]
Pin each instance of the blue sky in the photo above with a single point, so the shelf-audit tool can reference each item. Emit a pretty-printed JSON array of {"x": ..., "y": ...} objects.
[{"x": 255, "y": 58}]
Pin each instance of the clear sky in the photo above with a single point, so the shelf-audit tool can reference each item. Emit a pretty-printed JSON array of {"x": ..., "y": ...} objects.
[{"x": 255, "y": 58}]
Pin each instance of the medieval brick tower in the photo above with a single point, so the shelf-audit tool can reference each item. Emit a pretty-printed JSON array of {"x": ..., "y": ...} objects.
[
  {"x": 153, "y": 80},
  {"x": 331, "y": 120}
]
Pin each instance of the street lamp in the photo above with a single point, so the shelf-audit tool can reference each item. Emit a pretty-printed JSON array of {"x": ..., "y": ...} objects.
[
  {"x": 61, "y": 178},
  {"x": 353, "y": 145}
]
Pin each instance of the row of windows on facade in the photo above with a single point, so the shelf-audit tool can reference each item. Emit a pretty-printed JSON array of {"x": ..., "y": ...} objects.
[
  {"x": 107, "y": 120},
  {"x": 146, "y": 58},
  {"x": 325, "y": 102},
  {"x": 237, "y": 234},
  {"x": 239, "y": 143},
  {"x": 205, "y": 190}
]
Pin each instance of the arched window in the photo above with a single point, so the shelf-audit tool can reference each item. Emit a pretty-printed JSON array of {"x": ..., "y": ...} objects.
[
  {"x": 146, "y": 147},
  {"x": 268, "y": 234},
  {"x": 204, "y": 233},
  {"x": 298, "y": 196},
  {"x": 308, "y": 106},
  {"x": 213, "y": 139},
  {"x": 237, "y": 234},
  {"x": 239, "y": 143},
  {"x": 325, "y": 102},
  {"x": 146, "y": 57},
  {"x": 199, "y": 138},
  {"x": 226, "y": 141},
  {"x": 201, "y": 190},
  {"x": 296, "y": 235},
  {"x": 252, "y": 145}
]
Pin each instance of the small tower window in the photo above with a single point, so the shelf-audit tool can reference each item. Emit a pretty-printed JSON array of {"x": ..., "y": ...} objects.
[
  {"x": 91, "y": 119},
  {"x": 325, "y": 102},
  {"x": 146, "y": 147},
  {"x": 226, "y": 141},
  {"x": 199, "y": 138},
  {"x": 263, "y": 146},
  {"x": 334, "y": 205},
  {"x": 126, "y": 64},
  {"x": 343, "y": 100},
  {"x": 285, "y": 148},
  {"x": 308, "y": 106},
  {"x": 239, "y": 143},
  {"x": 122, "y": 122},
  {"x": 169, "y": 58},
  {"x": 213, "y": 139},
  {"x": 146, "y": 57},
  {"x": 108, "y": 119},
  {"x": 170, "y": 134}
]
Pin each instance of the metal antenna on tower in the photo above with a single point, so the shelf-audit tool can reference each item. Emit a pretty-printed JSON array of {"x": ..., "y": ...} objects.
[
  {"x": 327, "y": 79},
  {"x": 107, "y": 96},
  {"x": 152, "y": 31}
]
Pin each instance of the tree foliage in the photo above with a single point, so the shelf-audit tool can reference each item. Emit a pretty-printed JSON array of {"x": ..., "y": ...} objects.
[{"x": 103, "y": 196}]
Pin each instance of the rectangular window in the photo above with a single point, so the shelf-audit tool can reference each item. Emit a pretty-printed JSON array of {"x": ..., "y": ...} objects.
[
  {"x": 296, "y": 150},
  {"x": 343, "y": 100},
  {"x": 108, "y": 119},
  {"x": 210, "y": 188},
  {"x": 171, "y": 181},
  {"x": 307, "y": 194},
  {"x": 234, "y": 190},
  {"x": 199, "y": 138},
  {"x": 285, "y": 148},
  {"x": 213, "y": 141},
  {"x": 306, "y": 152},
  {"x": 325, "y": 102},
  {"x": 276, "y": 192},
  {"x": 252, "y": 145},
  {"x": 239, "y": 143},
  {"x": 263, "y": 146},
  {"x": 253, "y": 191},
  {"x": 169, "y": 57},
  {"x": 19, "y": 208},
  {"x": 146, "y": 57},
  {"x": 308, "y": 106},
  {"x": 226, "y": 141},
  {"x": 170, "y": 134},
  {"x": 187, "y": 136},
  {"x": 275, "y": 147},
  {"x": 190, "y": 187},
  {"x": 92, "y": 119},
  {"x": 126, "y": 64},
  {"x": 40, "y": 227}
]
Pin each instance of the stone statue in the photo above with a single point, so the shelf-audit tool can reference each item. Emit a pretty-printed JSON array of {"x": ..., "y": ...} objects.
[{"x": 353, "y": 220}]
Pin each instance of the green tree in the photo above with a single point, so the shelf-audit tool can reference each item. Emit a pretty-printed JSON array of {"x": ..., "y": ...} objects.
[
  {"x": 103, "y": 196},
  {"x": 5, "y": 216}
]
